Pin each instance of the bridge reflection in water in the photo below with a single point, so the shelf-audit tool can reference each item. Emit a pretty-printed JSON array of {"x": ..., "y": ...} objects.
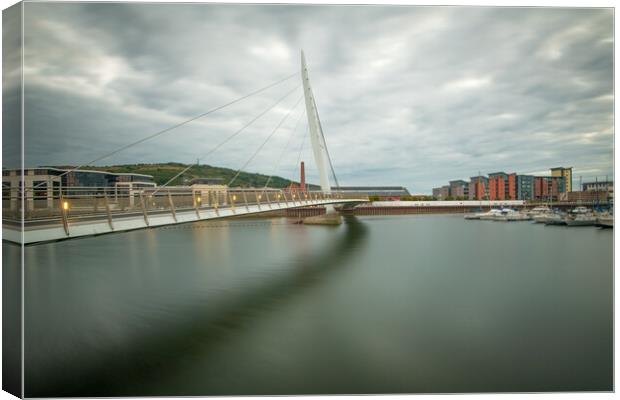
[
  {"x": 124, "y": 364},
  {"x": 83, "y": 211}
]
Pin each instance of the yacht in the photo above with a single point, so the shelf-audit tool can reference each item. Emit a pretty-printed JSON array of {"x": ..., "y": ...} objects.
[
  {"x": 511, "y": 215},
  {"x": 581, "y": 220},
  {"x": 491, "y": 214},
  {"x": 555, "y": 218},
  {"x": 539, "y": 210},
  {"x": 581, "y": 216}
]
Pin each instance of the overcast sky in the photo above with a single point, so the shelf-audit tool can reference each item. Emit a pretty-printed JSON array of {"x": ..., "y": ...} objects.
[{"x": 411, "y": 96}]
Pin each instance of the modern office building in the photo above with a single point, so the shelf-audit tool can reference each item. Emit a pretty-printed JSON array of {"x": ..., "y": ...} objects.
[
  {"x": 567, "y": 173},
  {"x": 42, "y": 185}
]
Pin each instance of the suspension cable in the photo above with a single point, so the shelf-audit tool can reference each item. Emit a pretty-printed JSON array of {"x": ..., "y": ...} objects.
[
  {"x": 161, "y": 132},
  {"x": 288, "y": 142},
  {"x": 265, "y": 141},
  {"x": 229, "y": 138}
]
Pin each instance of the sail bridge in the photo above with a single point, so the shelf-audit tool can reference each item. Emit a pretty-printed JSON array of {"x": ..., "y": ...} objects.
[{"x": 53, "y": 209}]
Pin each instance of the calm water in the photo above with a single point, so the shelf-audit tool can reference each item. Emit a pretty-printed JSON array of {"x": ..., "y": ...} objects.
[{"x": 380, "y": 304}]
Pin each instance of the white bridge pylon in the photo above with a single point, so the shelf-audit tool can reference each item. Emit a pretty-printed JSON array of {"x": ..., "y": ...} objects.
[{"x": 319, "y": 148}]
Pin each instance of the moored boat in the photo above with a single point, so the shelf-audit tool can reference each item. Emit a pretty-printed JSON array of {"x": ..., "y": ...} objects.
[
  {"x": 581, "y": 216},
  {"x": 581, "y": 220},
  {"x": 605, "y": 221},
  {"x": 555, "y": 219},
  {"x": 490, "y": 215}
]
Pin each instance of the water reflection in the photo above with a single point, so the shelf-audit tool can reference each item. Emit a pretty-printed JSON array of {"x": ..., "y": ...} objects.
[
  {"x": 404, "y": 304},
  {"x": 111, "y": 369}
]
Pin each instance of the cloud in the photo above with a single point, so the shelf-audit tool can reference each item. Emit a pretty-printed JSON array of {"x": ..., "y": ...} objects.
[{"x": 412, "y": 96}]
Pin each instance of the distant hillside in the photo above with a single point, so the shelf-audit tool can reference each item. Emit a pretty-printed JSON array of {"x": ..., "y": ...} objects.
[{"x": 163, "y": 172}]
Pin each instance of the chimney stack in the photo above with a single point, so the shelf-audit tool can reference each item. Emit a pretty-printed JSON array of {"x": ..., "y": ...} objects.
[{"x": 302, "y": 181}]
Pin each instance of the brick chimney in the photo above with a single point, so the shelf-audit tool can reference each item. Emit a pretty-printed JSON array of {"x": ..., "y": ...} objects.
[{"x": 302, "y": 181}]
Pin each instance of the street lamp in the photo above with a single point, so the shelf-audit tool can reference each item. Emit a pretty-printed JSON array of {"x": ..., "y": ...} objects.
[{"x": 65, "y": 205}]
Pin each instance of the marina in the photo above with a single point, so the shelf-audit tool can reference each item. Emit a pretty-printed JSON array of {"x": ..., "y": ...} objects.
[{"x": 579, "y": 216}]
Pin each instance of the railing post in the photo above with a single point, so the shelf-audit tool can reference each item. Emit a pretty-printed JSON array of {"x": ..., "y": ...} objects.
[
  {"x": 146, "y": 218},
  {"x": 232, "y": 198},
  {"x": 174, "y": 212},
  {"x": 107, "y": 209},
  {"x": 245, "y": 199},
  {"x": 268, "y": 200},
  {"x": 285, "y": 198},
  {"x": 216, "y": 203},
  {"x": 197, "y": 201},
  {"x": 63, "y": 210}
]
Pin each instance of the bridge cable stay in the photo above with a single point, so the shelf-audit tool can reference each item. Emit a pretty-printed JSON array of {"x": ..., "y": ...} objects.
[
  {"x": 288, "y": 142},
  {"x": 161, "y": 132},
  {"x": 265, "y": 141},
  {"x": 229, "y": 138}
]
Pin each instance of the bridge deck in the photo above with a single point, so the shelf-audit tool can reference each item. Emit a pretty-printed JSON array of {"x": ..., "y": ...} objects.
[{"x": 97, "y": 222}]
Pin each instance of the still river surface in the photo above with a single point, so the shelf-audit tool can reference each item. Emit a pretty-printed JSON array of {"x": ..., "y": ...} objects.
[{"x": 405, "y": 304}]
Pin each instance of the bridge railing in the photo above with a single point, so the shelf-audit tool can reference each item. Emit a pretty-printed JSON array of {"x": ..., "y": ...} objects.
[{"x": 75, "y": 203}]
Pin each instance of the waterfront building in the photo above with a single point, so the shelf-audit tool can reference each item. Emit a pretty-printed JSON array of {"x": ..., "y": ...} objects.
[
  {"x": 441, "y": 193},
  {"x": 386, "y": 192},
  {"x": 459, "y": 189},
  {"x": 605, "y": 188},
  {"x": 42, "y": 185},
  {"x": 511, "y": 187},
  {"x": 478, "y": 188},
  {"x": 567, "y": 173},
  {"x": 600, "y": 197},
  {"x": 498, "y": 186},
  {"x": 548, "y": 188},
  {"x": 525, "y": 187},
  {"x": 602, "y": 186}
]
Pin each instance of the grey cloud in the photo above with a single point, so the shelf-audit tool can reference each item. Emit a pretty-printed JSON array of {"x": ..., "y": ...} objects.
[{"x": 412, "y": 96}]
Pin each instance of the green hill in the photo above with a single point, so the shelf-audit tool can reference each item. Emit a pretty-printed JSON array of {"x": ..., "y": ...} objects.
[{"x": 162, "y": 172}]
